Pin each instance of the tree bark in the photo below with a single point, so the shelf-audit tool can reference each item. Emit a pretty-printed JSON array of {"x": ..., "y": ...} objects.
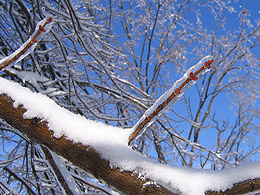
[
  {"x": 80, "y": 155},
  {"x": 89, "y": 160},
  {"x": 242, "y": 187}
]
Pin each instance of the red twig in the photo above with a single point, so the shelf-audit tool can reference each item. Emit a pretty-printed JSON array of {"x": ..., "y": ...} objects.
[
  {"x": 33, "y": 40},
  {"x": 192, "y": 76}
]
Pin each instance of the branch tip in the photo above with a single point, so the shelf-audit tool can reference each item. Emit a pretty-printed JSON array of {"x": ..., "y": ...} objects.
[
  {"x": 208, "y": 63},
  {"x": 142, "y": 123}
]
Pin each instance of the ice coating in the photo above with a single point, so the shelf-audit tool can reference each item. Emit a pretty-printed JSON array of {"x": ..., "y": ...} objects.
[
  {"x": 25, "y": 49},
  {"x": 177, "y": 90}
]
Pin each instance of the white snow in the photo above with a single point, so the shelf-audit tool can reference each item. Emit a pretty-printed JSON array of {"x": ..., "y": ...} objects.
[
  {"x": 111, "y": 143},
  {"x": 26, "y": 76}
]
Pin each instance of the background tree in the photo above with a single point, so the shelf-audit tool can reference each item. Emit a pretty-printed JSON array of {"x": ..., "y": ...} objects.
[{"x": 110, "y": 61}]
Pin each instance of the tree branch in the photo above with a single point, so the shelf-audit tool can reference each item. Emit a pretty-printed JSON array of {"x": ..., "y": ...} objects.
[
  {"x": 143, "y": 122},
  {"x": 82, "y": 156},
  {"x": 89, "y": 160},
  {"x": 242, "y": 187},
  {"x": 56, "y": 170}
]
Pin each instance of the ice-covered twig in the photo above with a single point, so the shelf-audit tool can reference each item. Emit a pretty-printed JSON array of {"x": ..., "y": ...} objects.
[
  {"x": 42, "y": 28},
  {"x": 171, "y": 96}
]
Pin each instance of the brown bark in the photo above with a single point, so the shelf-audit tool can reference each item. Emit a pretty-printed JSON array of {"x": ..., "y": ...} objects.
[
  {"x": 242, "y": 187},
  {"x": 82, "y": 156},
  {"x": 192, "y": 76},
  {"x": 89, "y": 160},
  {"x": 25, "y": 49}
]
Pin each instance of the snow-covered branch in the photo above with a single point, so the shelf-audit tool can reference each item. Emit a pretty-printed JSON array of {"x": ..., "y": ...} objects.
[
  {"x": 109, "y": 61},
  {"x": 80, "y": 153},
  {"x": 103, "y": 151}
]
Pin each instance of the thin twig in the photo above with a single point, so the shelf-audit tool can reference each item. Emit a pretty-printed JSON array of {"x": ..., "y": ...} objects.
[
  {"x": 33, "y": 40},
  {"x": 177, "y": 91}
]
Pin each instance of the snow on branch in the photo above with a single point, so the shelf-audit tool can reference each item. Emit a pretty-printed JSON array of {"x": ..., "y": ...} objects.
[
  {"x": 76, "y": 138},
  {"x": 171, "y": 96},
  {"x": 103, "y": 151},
  {"x": 42, "y": 28}
]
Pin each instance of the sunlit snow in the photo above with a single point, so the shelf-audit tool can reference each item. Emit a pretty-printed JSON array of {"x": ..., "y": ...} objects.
[{"x": 111, "y": 143}]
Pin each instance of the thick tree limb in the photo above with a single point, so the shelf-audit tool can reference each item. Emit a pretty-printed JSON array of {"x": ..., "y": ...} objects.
[
  {"x": 82, "y": 156},
  {"x": 89, "y": 160}
]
